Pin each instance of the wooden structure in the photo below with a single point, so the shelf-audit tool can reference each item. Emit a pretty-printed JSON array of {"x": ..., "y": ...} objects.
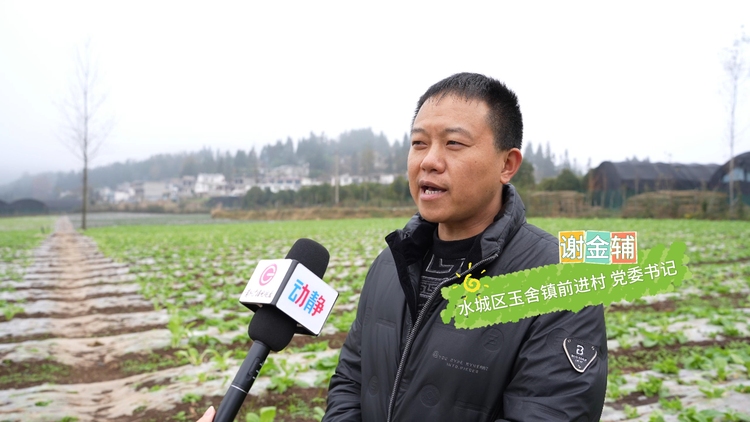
[
  {"x": 676, "y": 204},
  {"x": 563, "y": 203}
]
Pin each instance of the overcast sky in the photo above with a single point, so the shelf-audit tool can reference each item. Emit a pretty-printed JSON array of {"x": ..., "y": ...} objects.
[{"x": 604, "y": 80}]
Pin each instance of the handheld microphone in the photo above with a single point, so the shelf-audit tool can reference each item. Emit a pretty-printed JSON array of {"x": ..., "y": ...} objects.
[{"x": 288, "y": 296}]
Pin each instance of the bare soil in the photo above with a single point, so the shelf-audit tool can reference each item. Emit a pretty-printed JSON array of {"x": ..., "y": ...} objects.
[
  {"x": 737, "y": 300},
  {"x": 642, "y": 358},
  {"x": 53, "y": 372},
  {"x": 294, "y": 397}
]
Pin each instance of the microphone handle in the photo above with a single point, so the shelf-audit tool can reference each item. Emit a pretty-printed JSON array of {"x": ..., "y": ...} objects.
[{"x": 242, "y": 382}]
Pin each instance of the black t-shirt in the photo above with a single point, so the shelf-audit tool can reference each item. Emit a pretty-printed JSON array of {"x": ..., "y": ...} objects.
[{"x": 445, "y": 260}]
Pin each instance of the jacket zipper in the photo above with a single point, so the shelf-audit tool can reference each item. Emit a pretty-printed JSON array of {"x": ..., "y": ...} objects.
[{"x": 415, "y": 328}]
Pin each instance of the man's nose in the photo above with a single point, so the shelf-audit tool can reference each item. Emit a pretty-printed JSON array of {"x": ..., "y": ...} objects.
[{"x": 434, "y": 159}]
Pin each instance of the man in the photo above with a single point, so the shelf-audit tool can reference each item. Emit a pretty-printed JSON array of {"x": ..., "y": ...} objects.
[{"x": 400, "y": 362}]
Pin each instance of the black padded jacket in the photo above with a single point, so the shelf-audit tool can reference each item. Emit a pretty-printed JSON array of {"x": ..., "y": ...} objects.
[{"x": 398, "y": 364}]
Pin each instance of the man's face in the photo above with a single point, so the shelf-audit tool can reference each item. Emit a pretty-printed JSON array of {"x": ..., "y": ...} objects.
[{"x": 455, "y": 171}]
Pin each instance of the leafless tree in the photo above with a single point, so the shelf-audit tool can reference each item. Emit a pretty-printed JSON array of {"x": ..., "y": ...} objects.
[
  {"x": 736, "y": 69},
  {"x": 85, "y": 126}
]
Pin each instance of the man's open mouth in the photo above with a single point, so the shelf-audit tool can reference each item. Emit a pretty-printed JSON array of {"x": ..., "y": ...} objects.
[{"x": 431, "y": 189}]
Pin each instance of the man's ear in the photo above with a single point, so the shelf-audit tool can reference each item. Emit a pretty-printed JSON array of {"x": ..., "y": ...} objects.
[{"x": 512, "y": 163}]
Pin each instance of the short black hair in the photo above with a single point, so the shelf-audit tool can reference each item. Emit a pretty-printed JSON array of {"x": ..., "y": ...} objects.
[{"x": 505, "y": 118}]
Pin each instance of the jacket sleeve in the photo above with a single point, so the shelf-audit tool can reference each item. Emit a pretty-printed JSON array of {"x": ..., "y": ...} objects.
[
  {"x": 344, "y": 390},
  {"x": 545, "y": 386}
]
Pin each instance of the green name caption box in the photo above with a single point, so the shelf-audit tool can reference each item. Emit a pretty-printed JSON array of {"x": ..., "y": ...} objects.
[{"x": 477, "y": 303}]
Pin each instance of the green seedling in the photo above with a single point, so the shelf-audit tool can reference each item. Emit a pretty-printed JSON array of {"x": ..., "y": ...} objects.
[
  {"x": 713, "y": 392},
  {"x": 191, "y": 398},
  {"x": 672, "y": 406},
  {"x": 9, "y": 310},
  {"x": 650, "y": 387},
  {"x": 630, "y": 411},
  {"x": 667, "y": 366},
  {"x": 720, "y": 364},
  {"x": 318, "y": 346},
  {"x": 656, "y": 416},
  {"x": 221, "y": 360},
  {"x": 282, "y": 375},
  {"x": 192, "y": 355},
  {"x": 735, "y": 416},
  {"x": 691, "y": 414},
  {"x": 178, "y": 327},
  {"x": 614, "y": 382},
  {"x": 180, "y": 416},
  {"x": 265, "y": 414}
]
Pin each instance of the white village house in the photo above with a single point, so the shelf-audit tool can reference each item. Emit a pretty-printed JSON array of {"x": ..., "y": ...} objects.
[{"x": 210, "y": 184}]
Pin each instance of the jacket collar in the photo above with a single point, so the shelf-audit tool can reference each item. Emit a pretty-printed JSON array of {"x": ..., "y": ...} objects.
[
  {"x": 511, "y": 217},
  {"x": 410, "y": 245}
]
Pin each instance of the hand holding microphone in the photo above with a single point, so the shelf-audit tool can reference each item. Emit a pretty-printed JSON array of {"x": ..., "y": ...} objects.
[
  {"x": 208, "y": 416},
  {"x": 288, "y": 296}
]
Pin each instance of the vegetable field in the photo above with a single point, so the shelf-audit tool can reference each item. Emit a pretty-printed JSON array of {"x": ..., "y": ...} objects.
[{"x": 142, "y": 322}]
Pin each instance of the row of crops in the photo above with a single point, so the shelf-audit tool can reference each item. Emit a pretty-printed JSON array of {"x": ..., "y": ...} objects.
[
  {"x": 18, "y": 237},
  {"x": 681, "y": 356}
]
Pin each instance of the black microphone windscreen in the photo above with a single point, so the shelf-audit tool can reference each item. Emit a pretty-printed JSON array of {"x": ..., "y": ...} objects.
[
  {"x": 271, "y": 327},
  {"x": 311, "y": 254}
]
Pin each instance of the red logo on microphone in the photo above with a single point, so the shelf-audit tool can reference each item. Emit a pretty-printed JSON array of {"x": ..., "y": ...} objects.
[{"x": 267, "y": 275}]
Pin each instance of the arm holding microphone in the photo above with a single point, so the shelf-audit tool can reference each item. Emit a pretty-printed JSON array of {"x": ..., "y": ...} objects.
[{"x": 288, "y": 297}]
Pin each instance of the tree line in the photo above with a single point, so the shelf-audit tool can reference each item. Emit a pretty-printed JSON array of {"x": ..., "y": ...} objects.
[
  {"x": 548, "y": 165},
  {"x": 397, "y": 193},
  {"x": 359, "y": 152}
]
